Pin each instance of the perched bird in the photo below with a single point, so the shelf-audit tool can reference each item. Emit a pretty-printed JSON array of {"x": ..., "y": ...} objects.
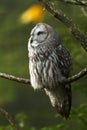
[{"x": 49, "y": 65}]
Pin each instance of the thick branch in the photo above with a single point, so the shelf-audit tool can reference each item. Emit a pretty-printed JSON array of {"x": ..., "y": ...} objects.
[
  {"x": 27, "y": 81},
  {"x": 9, "y": 118},
  {"x": 68, "y": 22},
  {"x": 76, "y": 2}
]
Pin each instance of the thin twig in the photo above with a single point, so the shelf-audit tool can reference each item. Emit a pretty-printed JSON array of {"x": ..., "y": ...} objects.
[
  {"x": 75, "y": 77},
  {"x": 58, "y": 14},
  {"x": 27, "y": 81},
  {"x": 17, "y": 79},
  {"x": 84, "y": 11},
  {"x": 76, "y": 2},
  {"x": 9, "y": 118}
]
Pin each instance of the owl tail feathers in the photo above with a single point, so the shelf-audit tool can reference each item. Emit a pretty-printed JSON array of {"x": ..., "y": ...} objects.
[{"x": 61, "y": 100}]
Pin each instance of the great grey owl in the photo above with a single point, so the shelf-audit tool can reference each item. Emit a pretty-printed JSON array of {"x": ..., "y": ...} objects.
[{"x": 49, "y": 65}]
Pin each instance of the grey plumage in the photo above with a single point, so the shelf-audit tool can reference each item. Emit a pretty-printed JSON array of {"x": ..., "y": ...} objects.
[{"x": 49, "y": 65}]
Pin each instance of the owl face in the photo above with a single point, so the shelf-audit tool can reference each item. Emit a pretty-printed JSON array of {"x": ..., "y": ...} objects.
[
  {"x": 38, "y": 35},
  {"x": 43, "y": 34}
]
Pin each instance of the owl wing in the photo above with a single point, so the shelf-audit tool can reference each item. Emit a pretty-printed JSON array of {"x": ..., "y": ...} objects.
[
  {"x": 60, "y": 58},
  {"x": 64, "y": 60}
]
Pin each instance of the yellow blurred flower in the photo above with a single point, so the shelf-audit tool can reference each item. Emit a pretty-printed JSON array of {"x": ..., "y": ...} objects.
[{"x": 33, "y": 14}]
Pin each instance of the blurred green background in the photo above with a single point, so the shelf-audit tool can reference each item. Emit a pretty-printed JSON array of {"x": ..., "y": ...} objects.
[{"x": 33, "y": 109}]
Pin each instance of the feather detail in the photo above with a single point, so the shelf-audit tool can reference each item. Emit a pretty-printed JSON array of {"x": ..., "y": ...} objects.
[{"x": 60, "y": 99}]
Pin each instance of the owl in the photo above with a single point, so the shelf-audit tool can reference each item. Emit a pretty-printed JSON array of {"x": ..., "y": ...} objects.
[{"x": 49, "y": 65}]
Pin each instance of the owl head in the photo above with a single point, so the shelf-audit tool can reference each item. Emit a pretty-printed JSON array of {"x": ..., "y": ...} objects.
[{"x": 43, "y": 33}]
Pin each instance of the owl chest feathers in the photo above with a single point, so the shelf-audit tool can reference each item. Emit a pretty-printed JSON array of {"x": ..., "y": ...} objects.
[{"x": 44, "y": 69}]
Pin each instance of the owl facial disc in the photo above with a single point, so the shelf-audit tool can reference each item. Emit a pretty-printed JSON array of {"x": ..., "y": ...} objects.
[{"x": 38, "y": 35}]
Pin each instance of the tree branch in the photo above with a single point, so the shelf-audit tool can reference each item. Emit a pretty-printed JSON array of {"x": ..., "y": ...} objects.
[
  {"x": 68, "y": 22},
  {"x": 76, "y": 2},
  {"x": 75, "y": 77},
  {"x": 17, "y": 79},
  {"x": 9, "y": 118},
  {"x": 84, "y": 11},
  {"x": 27, "y": 81}
]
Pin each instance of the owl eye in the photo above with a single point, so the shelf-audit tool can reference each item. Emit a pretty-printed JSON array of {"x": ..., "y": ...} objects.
[{"x": 39, "y": 33}]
